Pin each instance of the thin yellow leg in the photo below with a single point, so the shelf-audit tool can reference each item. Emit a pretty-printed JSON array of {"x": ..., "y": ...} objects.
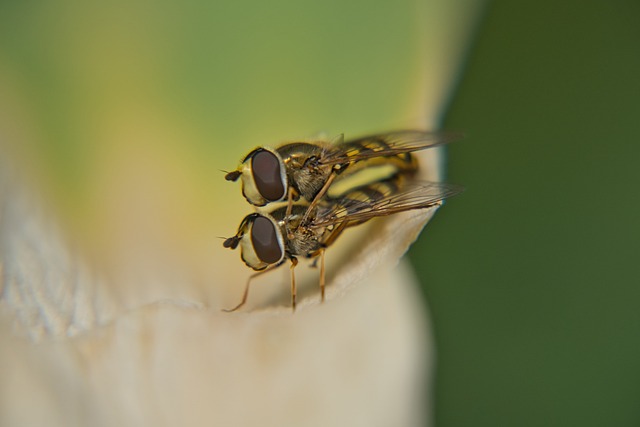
[
  {"x": 322, "y": 274},
  {"x": 245, "y": 295},
  {"x": 294, "y": 262},
  {"x": 288, "y": 212},
  {"x": 316, "y": 199}
]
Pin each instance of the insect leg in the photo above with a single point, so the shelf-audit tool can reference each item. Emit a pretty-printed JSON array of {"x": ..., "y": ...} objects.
[
  {"x": 294, "y": 262},
  {"x": 321, "y": 193},
  {"x": 288, "y": 212},
  {"x": 322, "y": 274},
  {"x": 245, "y": 295},
  {"x": 332, "y": 237},
  {"x": 335, "y": 234}
]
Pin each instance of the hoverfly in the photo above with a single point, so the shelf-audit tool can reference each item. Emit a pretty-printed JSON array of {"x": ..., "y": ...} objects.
[
  {"x": 265, "y": 243},
  {"x": 307, "y": 169}
]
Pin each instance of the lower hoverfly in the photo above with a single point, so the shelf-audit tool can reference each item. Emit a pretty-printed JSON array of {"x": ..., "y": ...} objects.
[
  {"x": 307, "y": 169},
  {"x": 266, "y": 243}
]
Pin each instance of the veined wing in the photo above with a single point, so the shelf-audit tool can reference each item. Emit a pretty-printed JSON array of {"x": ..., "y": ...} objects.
[
  {"x": 412, "y": 195},
  {"x": 385, "y": 144}
]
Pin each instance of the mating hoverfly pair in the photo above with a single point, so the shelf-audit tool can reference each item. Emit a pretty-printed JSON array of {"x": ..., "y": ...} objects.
[{"x": 299, "y": 176}]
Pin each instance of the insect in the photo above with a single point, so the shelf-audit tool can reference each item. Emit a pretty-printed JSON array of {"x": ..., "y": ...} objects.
[
  {"x": 265, "y": 243},
  {"x": 307, "y": 169}
]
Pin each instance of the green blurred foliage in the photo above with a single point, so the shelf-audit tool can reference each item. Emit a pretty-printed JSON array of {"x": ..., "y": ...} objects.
[
  {"x": 231, "y": 71},
  {"x": 128, "y": 110},
  {"x": 533, "y": 275}
]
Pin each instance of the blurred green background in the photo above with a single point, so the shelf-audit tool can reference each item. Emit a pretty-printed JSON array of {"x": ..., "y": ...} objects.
[
  {"x": 102, "y": 100},
  {"x": 533, "y": 274}
]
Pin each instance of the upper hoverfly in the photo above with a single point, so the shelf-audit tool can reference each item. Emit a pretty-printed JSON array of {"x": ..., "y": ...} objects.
[
  {"x": 266, "y": 243},
  {"x": 307, "y": 169}
]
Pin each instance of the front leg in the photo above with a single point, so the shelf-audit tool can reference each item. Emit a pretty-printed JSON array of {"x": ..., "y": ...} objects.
[
  {"x": 290, "y": 194},
  {"x": 245, "y": 295},
  {"x": 321, "y": 193},
  {"x": 322, "y": 274},
  {"x": 294, "y": 262}
]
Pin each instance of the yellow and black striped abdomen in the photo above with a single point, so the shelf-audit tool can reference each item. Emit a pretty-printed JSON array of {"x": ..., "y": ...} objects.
[
  {"x": 366, "y": 196},
  {"x": 376, "y": 151}
]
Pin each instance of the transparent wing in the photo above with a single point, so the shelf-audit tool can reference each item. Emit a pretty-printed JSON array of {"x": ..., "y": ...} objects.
[
  {"x": 353, "y": 208},
  {"x": 385, "y": 144}
]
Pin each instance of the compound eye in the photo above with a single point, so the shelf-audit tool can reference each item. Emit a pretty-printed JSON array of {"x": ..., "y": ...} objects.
[
  {"x": 265, "y": 240},
  {"x": 267, "y": 175}
]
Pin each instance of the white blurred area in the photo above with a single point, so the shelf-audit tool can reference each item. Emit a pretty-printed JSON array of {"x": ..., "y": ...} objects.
[{"x": 112, "y": 204}]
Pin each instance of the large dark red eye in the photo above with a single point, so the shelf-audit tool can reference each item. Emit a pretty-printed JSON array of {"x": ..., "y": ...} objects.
[
  {"x": 266, "y": 174},
  {"x": 265, "y": 240}
]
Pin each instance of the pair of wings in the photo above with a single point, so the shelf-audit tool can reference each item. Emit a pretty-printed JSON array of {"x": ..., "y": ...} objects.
[
  {"x": 412, "y": 195},
  {"x": 385, "y": 144}
]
